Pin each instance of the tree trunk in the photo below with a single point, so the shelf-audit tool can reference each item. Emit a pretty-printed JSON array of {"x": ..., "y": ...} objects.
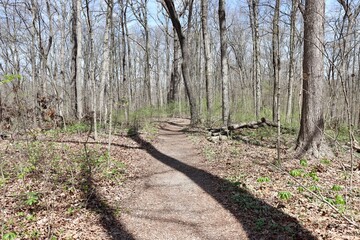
[
  {"x": 276, "y": 59},
  {"x": 175, "y": 74},
  {"x": 124, "y": 68},
  {"x": 310, "y": 139},
  {"x": 207, "y": 58},
  {"x": 254, "y": 12},
  {"x": 79, "y": 59},
  {"x": 74, "y": 65},
  {"x": 291, "y": 61},
  {"x": 224, "y": 66},
  {"x": 105, "y": 63},
  {"x": 195, "y": 118},
  {"x": 92, "y": 69},
  {"x": 147, "y": 55}
]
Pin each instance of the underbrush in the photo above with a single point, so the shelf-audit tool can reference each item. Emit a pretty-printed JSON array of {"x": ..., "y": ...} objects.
[
  {"x": 317, "y": 192},
  {"x": 44, "y": 184}
]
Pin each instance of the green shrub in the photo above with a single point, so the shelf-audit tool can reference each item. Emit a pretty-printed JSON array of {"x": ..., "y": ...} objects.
[
  {"x": 32, "y": 198},
  {"x": 336, "y": 188},
  {"x": 339, "y": 199},
  {"x": 263, "y": 179},
  {"x": 9, "y": 236},
  {"x": 284, "y": 195},
  {"x": 296, "y": 172},
  {"x": 303, "y": 162}
]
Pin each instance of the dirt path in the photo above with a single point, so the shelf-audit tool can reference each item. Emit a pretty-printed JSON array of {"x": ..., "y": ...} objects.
[{"x": 172, "y": 202}]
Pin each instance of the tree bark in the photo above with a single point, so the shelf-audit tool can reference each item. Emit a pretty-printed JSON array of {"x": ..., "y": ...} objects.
[
  {"x": 105, "y": 63},
  {"x": 276, "y": 59},
  {"x": 79, "y": 60},
  {"x": 254, "y": 12},
  {"x": 195, "y": 118},
  {"x": 310, "y": 139},
  {"x": 224, "y": 64},
  {"x": 207, "y": 58},
  {"x": 291, "y": 61},
  {"x": 124, "y": 67},
  {"x": 92, "y": 69},
  {"x": 74, "y": 58},
  {"x": 175, "y": 74}
]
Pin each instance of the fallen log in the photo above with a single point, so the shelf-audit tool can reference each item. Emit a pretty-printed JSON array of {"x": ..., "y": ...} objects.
[{"x": 253, "y": 125}]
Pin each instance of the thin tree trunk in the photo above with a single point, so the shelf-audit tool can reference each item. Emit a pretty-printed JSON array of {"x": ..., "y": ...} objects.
[
  {"x": 224, "y": 64},
  {"x": 74, "y": 52},
  {"x": 254, "y": 11},
  {"x": 291, "y": 61},
  {"x": 125, "y": 79},
  {"x": 147, "y": 55},
  {"x": 79, "y": 62},
  {"x": 92, "y": 69},
  {"x": 276, "y": 59},
  {"x": 207, "y": 58},
  {"x": 105, "y": 64}
]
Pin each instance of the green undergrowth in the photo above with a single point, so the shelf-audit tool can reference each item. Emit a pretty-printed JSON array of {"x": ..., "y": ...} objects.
[{"x": 36, "y": 172}]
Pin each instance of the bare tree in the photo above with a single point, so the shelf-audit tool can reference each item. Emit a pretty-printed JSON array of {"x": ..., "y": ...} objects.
[
  {"x": 105, "y": 63},
  {"x": 74, "y": 58},
  {"x": 310, "y": 139},
  {"x": 124, "y": 67},
  {"x": 91, "y": 68},
  {"x": 79, "y": 61},
  {"x": 276, "y": 59},
  {"x": 254, "y": 12},
  {"x": 141, "y": 13},
  {"x": 289, "y": 105},
  {"x": 207, "y": 57},
  {"x": 195, "y": 117},
  {"x": 224, "y": 65}
]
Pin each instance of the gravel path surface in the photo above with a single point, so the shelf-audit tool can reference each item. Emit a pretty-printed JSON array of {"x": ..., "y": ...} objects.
[{"x": 175, "y": 200}]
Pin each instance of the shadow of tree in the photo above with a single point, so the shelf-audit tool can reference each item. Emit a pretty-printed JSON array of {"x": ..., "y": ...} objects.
[
  {"x": 259, "y": 219},
  {"x": 93, "y": 202},
  {"x": 92, "y": 143}
]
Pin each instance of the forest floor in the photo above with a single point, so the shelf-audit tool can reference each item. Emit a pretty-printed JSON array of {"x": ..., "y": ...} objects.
[{"x": 169, "y": 182}]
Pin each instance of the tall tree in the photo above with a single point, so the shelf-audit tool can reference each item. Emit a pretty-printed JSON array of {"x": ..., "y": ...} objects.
[
  {"x": 310, "y": 139},
  {"x": 124, "y": 66},
  {"x": 105, "y": 63},
  {"x": 289, "y": 105},
  {"x": 175, "y": 73},
  {"x": 74, "y": 55},
  {"x": 91, "y": 68},
  {"x": 207, "y": 57},
  {"x": 141, "y": 13},
  {"x": 276, "y": 58},
  {"x": 254, "y": 22},
  {"x": 184, "y": 45},
  {"x": 224, "y": 66},
  {"x": 79, "y": 59}
]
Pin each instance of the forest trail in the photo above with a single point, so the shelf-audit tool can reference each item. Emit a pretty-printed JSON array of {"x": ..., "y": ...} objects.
[{"x": 176, "y": 199}]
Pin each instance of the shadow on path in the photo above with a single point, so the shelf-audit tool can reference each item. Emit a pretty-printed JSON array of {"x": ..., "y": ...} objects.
[{"x": 259, "y": 219}]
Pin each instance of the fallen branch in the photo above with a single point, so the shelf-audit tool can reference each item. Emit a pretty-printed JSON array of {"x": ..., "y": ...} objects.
[{"x": 253, "y": 125}]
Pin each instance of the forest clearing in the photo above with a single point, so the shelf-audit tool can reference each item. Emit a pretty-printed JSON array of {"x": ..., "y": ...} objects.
[{"x": 162, "y": 119}]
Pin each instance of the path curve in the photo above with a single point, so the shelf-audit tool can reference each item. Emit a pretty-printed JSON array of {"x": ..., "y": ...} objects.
[{"x": 171, "y": 202}]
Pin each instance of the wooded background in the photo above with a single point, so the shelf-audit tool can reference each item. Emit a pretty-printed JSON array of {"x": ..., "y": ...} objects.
[{"x": 240, "y": 60}]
